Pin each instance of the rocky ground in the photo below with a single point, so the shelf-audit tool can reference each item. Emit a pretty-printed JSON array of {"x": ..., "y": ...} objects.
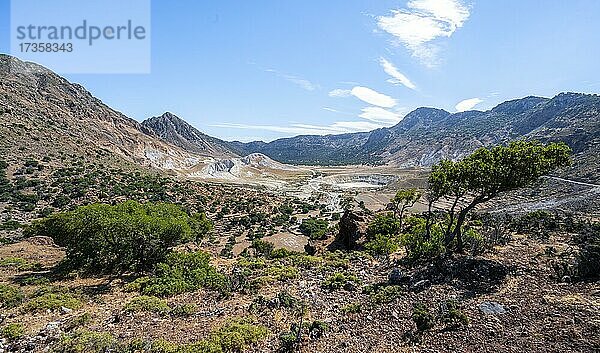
[{"x": 511, "y": 298}]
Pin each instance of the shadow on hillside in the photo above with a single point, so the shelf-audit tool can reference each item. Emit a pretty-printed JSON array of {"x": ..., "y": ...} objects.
[{"x": 470, "y": 274}]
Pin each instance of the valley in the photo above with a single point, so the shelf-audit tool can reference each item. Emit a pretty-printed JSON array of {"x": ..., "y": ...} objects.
[{"x": 125, "y": 236}]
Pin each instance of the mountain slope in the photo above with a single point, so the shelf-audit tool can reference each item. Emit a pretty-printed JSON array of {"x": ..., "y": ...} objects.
[
  {"x": 428, "y": 135},
  {"x": 42, "y": 113},
  {"x": 178, "y": 132}
]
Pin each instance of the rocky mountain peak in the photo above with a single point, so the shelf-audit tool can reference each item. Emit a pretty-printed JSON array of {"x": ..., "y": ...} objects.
[{"x": 170, "y": 128}]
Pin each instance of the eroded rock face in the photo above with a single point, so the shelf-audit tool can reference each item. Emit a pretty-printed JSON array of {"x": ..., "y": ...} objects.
[{"x": 353, "y": 230}]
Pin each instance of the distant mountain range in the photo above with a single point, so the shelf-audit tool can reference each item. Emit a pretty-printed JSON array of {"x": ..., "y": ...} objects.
[
  {"x": 427, "y": 135},
  {"x": 41, "y": 110}
]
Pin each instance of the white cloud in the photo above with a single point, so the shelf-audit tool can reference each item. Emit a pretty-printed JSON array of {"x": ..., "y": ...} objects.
[
  {"x": 380, "y": 115},
  {"x": 338, "y": 127},
  {"x": 423, "y": 22},
  {"x": 467, "y": 104},
  {"x": 332, "y": 110},
  {"x": 338, "y": 92},
  {"x": 303, "y": 83},
  {"x": 398, "y": 77},
  {"x": 373, "y": 97}
]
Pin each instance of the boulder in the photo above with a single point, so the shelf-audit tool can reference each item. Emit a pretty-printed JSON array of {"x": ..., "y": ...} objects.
[
  {"x": 353, "y": 230},
  {"x": 490, "y": 308}
]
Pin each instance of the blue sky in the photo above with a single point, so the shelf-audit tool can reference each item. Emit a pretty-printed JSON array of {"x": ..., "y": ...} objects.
[{"x": 252, "y": 70}]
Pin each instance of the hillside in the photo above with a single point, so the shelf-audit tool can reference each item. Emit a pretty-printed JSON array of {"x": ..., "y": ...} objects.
[
  {"x": 176, "y": 131},
  {"x": 427, "y": 135},
  {"x": 88, "y": 196},
  {"x": 41, "y": 112}
]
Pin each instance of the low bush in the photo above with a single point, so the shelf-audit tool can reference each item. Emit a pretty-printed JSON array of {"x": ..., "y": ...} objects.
[
  {"x": 13, "y": 331},
  {"x": 339, "y": 280},
  {"x": 10, "y": 296},
  {"x": 314, "y": 228},
  {"x": 422, "y": 318},
  {"x": 316, "y": 329},
  {"x": 452, "y": 314},
  {"x": 263, "y": 248},
  {"x": 418, "y": 245},
  {"x": 288, "y": 340},
  {"x": 383, "y": 235},
  {"x": 126, "y": 237},
  {"x": 184, "y": 272},
  {"x": 352, "y": 308},
  {"x": 19, "y": 264},
  {"x": 282, "y": 273},
  {"x": 236, "y": 335},
  {"x": 383, "y": 293},
  {"x": 184, "y": 310},
  {"x": 52, "y": 298},
  {"x": 147, "y": 303},
  {"x": 85, "y": 341}
]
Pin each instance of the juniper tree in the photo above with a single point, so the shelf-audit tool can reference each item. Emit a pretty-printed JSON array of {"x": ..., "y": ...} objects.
[{"x": 488, "y": 172}]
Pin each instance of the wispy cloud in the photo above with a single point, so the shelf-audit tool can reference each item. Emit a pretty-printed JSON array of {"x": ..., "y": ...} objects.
[
  {"x": 381, "y": 116},
  {"x": 340, "y": 93},
  {"x": 398, "y": 78},
  {"x": 338, "y": 127},
  {"x": 373, "y": 97},
  {"x": 422, "y": 22},
  {"x": 303, "y": 83},
  {"x": 467, "y": 104},
  {"x": 334, "y": 110},
  {"x": 365, "y": 94}
]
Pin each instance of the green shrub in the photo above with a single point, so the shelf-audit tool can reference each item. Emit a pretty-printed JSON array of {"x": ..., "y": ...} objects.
[
  {"x": 314, "y": 228},
  {"x": 453, "y": 314},
  {"x": 288, "y": 340},
  {"x": 184, "y": 310},
  {"x": 52, "y": 298},
  {"x": 13, "y": 331},
  {"x": 422, "y": 317},
  {"x": 252, "y": 263},
  {"x": 281, "y": 253},
  {"x": 588, "y": 260},
  {"x": 337, "y": 259},
  {"x": 316, "y": 329},
  {"x": 288, "y": 301},
  {"x": 383, "y": 293},
  {"x": 352, "y": 308},
  {"x": 129, "y": 236},
  {"x": 147, "y": 303},
  {"x": 383, "y": 235},
  {"x": 77, "y": 322},
  {"x": 305, "y": 261},
  {"x": 185, "y": 272},
  {"x": 10, "y": 296},
  {"x": 382, "y": 244},
  {"x": 263, "y": 248},
  {"x": 585, "y": 265},
  {"x": 418, "y": 246},
  {"x": 137, "y": 284},
  {"x": 33, "y": 280},
  {"x": 236, "y": 335},
  {"x": 10, "y": 224},
  {"x": 85, "y": 341},
  {"x": 19, "y": 263},
  {"x": 338, "y": 280},
  {"x": 385, "y": 224},
  {"x": 282, "y": 273}
]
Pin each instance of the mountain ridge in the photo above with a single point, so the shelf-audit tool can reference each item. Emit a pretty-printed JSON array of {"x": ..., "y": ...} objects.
[
  {"x": 63, "y": 113},
  {"x": 169, "y": 127},
  {"x": 427, "y": 135}
]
